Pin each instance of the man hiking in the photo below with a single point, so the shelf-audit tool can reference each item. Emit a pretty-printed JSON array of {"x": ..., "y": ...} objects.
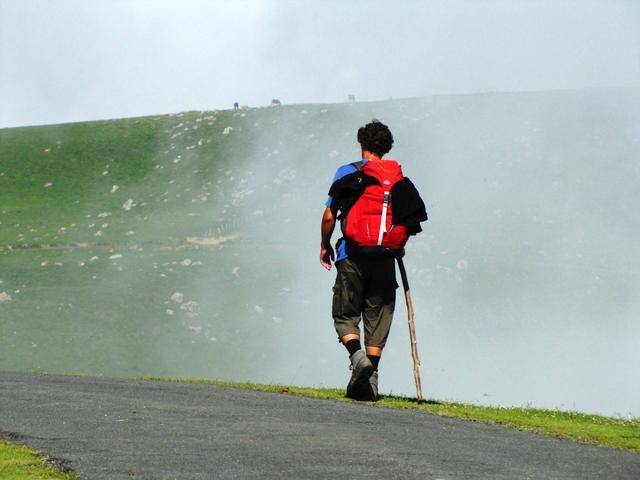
[{"x": 378, "y": 209}]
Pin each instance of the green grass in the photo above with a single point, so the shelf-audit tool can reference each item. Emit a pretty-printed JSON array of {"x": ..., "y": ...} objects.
[
  {"x": 583, "y": 428},
  {"x": 18, "y": 462}
]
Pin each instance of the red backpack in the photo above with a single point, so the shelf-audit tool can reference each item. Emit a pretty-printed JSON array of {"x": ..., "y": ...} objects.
[{"x": 369, "y": 221}]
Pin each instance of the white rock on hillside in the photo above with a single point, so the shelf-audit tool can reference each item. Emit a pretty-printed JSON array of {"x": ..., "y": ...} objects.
[
  {"x": 5, "y": 297},
  {"x": 129, "y": 204},
  {"x": 177, "y": 297},
  {"x": 192, "y": 308}
]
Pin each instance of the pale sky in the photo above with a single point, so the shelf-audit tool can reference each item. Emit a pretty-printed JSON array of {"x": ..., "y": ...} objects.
[{"x": 75, "y": 60}]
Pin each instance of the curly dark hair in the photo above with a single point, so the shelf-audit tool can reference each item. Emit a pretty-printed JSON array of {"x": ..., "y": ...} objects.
[{"x": 375, "y": 137}]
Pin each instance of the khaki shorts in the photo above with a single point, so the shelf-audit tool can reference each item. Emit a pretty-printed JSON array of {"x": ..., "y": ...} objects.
[{"x": 365, "y": 289}]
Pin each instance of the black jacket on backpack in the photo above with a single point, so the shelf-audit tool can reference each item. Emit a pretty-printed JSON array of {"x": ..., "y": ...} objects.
[{"x": 407, "y": 209}]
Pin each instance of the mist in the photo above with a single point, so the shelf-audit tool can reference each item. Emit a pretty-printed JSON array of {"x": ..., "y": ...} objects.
[
  {"x": 523, "y": 278},
  {"x": 524, "y": 281}
]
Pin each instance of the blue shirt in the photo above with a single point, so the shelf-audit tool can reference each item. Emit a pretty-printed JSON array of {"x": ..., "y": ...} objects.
[{"x": 344, "y": 170}]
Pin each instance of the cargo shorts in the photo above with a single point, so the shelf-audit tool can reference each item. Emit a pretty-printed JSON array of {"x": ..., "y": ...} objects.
[{"x": 365, "y": 289}]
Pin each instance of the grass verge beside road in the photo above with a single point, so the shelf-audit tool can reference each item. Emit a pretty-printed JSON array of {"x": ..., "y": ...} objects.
[
  {"x": 18, "y": 462},
  {"x": 584, "y": 428}
]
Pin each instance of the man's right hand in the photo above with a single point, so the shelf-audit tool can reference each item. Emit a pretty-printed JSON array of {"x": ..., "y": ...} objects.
[
  {"x": 327, "y": 256},
  {"x": 326, "y": 229}
]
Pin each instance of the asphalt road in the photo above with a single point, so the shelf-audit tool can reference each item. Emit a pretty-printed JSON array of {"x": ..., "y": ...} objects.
[{"x": 120, "y": 429}]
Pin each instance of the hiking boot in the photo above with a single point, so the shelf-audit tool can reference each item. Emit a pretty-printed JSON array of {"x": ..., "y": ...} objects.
[
  {"x": 372, "y": 391},
  {"x": 361, "y": 372}
]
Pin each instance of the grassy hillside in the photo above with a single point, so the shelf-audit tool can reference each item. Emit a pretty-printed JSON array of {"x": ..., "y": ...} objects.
[
  {"x": 91, "y": 276},
  {"x": 186, "y": 245}
]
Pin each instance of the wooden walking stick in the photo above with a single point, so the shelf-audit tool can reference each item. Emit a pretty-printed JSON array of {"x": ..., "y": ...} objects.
[{"x": 412, "y": 330}]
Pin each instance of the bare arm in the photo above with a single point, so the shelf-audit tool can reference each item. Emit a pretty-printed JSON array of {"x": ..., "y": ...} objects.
[{"x": 327, "y": 254}]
